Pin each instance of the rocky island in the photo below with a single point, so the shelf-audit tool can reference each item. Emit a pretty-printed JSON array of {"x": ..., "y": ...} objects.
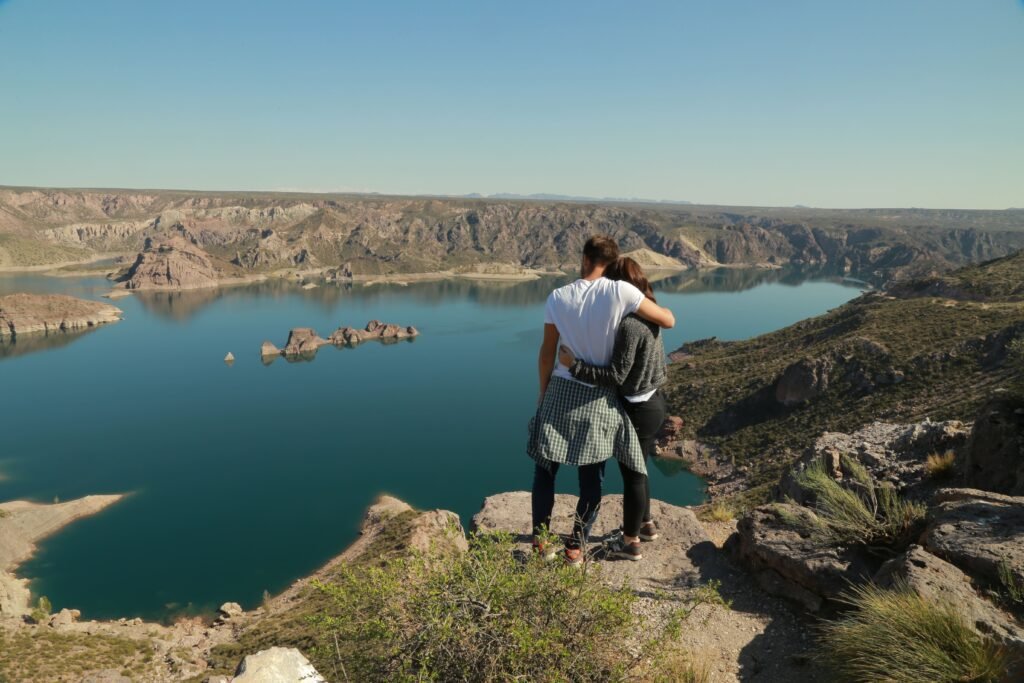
[
  {"x": 304, "y": 341},
  {"x": 24, "y": 314}
]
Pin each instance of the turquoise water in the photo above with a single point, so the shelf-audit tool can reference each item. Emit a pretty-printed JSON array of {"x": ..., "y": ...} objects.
[{"x": 245, "y": 478}]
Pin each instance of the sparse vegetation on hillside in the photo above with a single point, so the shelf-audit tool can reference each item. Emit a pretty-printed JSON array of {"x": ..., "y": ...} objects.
[
  {"x": 41, "y": 654},
  {"x": 489, "y": 615},
  {"x": 23, "y": 251},
  {"x": 899, "y": 636},
  {"x": 883, "y": 358}
]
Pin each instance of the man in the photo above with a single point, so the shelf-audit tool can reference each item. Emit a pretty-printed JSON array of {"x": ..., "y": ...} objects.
[{"x": 580, "y": 424}]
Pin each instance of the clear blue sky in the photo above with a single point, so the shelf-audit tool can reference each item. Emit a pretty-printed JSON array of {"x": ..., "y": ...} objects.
[{"x": 868, "y": 103}]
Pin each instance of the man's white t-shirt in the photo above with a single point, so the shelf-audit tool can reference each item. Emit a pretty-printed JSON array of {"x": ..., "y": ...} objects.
[{"x": 587, "y": 314}]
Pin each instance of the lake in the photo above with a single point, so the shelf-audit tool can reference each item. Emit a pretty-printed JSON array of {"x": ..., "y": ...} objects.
[{"x": 245, "y": 478}]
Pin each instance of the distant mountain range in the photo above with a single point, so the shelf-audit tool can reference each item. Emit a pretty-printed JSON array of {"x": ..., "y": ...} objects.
[{"x": 542, "y": 196}]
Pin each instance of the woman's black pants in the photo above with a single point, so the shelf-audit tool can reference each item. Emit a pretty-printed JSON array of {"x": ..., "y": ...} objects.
[{"x": 647, "y": 418}]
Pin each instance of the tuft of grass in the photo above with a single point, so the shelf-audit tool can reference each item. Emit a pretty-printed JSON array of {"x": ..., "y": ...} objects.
[
  {"x": 940, "y": 466},
  {"x": 871, "y": 515},
  {"x": 898, "y": 636},
  {"x": 719, "y": 512}
]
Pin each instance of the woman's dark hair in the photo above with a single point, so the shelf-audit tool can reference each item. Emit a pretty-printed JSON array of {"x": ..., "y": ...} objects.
[{"x": 628, "y": 270}]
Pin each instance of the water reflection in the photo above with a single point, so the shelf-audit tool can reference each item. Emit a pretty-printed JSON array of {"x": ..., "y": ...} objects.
[
  {"x": 30, "y": 343},
  {"x": 182, "y": 305}
]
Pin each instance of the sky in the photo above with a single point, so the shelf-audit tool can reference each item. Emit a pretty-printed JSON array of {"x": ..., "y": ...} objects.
[{"x": 875, "y": 103}]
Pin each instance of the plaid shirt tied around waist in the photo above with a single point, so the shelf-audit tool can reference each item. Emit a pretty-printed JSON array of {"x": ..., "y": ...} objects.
[{"x": 578, "y": 425}]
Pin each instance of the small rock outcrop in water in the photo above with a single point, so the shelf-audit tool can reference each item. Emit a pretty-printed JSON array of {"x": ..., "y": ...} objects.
[
  {"x": 230, "y": 358},
  {"x": 48, "y": 313},
  {"x": 374, "y": 329},
  {"x": 174, "y": 264},
  {"x": 303, "y": 342},
  {"x": 268, "y": 349}
]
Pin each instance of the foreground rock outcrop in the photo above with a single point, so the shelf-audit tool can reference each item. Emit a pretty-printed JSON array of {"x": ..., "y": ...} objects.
[
  {"x": 758, "y": 639},
  {"x": 22, "y": 314},
  {"x": 892, "y": 453},
  {"x": 22, "y": 524},
  {"x": 277, "y": 665},
  {"x": 962, "y": 546}
]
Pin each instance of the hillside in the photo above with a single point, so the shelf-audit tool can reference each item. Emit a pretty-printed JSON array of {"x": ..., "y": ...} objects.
[
  {"x": 263, "y": 232},
  {"x": 900, "y": 356}
]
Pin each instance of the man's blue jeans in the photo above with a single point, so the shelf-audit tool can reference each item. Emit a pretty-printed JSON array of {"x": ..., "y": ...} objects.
[{"x": 591, "y": 478}]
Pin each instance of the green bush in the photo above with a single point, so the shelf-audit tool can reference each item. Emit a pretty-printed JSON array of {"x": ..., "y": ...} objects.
[
  {"x": 863, "y": 514},
  {"x": 898, "y": 636},
  {"x": 489, "y": 614},
  {"x": 42, "y": 610}
]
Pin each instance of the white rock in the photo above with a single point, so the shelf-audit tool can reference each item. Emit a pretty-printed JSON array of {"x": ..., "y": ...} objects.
[
  {"x": 277, "y": 665},
  {"x": 230, "y": 358},
  {"x": 230, "y": 609}
]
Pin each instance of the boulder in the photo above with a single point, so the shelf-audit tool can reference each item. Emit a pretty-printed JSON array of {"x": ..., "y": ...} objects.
[
  {"x": 230, "y": 610},
  {"x": 65, "y": 617},
  {"x": 995, "y": 455},
  {"x": 670, "y": 429},
  {"x": 303, "y": 341},
  {"x": 939, "y": 581},
  {"x": 22, "y": 314},
  {"x": 803, "y": 381},
  {"x": 979, "y": 532},
  {"x": 773, "y": 543},
  {"x": 277, "y": 665},
  {"x": 172, "y": 264},
  {"x": 230, "y": 358},
  {"x": 268, "y": 349}
]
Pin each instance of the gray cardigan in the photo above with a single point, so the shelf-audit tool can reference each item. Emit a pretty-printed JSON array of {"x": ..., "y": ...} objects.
[{"x": 637, "y": 363}]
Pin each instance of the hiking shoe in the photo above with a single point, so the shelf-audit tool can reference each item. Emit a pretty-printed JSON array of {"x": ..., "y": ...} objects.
[
  {"x": 626, "y": 551},
  {"x": 544, "y": 549},
  {"x": 574, "y": 557},
  {"x": 648, "y": 531}
]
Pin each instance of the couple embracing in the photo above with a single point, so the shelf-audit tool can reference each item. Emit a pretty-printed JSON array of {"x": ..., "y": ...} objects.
[{"x": 601, "y": 364}]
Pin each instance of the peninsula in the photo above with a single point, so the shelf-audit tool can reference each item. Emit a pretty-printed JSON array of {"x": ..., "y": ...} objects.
[{"x": 23, "y": 314}]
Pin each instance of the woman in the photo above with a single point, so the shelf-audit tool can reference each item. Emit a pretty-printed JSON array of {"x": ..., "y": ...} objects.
[{"x": 637, "y": 371}]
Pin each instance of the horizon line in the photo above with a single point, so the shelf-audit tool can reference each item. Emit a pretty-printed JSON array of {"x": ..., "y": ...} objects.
[{"x": 537, "y": 197}]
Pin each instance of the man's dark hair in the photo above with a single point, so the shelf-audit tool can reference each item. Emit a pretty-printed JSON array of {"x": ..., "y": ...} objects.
[{"x": 601, "y": 250}]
